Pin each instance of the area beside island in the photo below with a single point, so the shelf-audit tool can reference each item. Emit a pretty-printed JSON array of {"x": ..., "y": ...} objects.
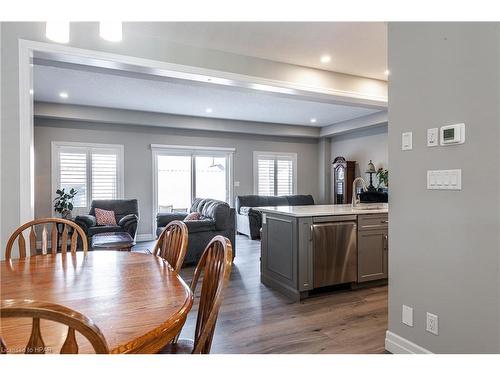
[{"x": 304, "y": 248}]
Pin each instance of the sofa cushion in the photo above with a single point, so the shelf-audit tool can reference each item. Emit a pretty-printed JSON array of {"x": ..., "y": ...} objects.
[
  {"x": 193, "y": 216},
  {"x": 104, "y": 229},
  {"x": 105, "y": 217},
  {"x": 218, "y": 211},
  {"x": 121, "y": 207},
  {"x": 251, "y": 201},
  {"x": 278, "y": 201},
  {"x": 299, "y": 200},
  {"x": 204, "y": 225}
]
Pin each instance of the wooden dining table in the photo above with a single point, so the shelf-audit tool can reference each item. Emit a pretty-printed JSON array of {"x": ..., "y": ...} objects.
[{"x": 137, "y": 300}]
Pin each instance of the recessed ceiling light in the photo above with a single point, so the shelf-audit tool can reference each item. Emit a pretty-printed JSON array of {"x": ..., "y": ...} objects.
[
  {"x": 209, "y": 110},
  {"x": 325, "y": 59},
  {"x": 313, "y": 120},
  {"x": 111, "y": 31},
  {"x": 63, "y": 95},
  {"x": 57, "y": 31},
  {"x": 387, "y": 72}
]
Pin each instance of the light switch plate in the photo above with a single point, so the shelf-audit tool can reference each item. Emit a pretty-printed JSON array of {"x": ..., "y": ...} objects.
[
  {"x": 407, "y": 141},
  {"x": 236, "y": 184},
  {"x": 432, "y": 137},
  {"x": 407, "y": 315},
  {"x": 449, "y": 179}
]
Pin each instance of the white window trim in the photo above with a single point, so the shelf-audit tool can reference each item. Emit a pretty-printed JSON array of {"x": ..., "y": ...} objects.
[
  {"x": 55, "y": 145},
  {"x": 157, "y": 149},
  {"x": 290, "y": 155}
]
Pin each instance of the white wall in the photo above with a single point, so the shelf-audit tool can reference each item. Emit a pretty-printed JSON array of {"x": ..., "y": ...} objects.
[
  {"x": 444, "y": 245},
  {"x": 138, "y": 160},
  {"x": 362, "y": 146}
]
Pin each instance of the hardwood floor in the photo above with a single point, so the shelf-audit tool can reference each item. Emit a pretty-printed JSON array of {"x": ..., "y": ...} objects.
[{"x": 256, "y": 319}]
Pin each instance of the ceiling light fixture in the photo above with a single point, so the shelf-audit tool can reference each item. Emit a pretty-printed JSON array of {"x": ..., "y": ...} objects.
[
  {"x": 209, "y": 110},
  {"x": 57, "y": 31},
  {"x": 111, "y": 31},
  {"x": 313, "y": 120},
  {"x": 63, "y": 95},
  {"x": 387, "y": 72},
  {"x": 325, "y": 59}
]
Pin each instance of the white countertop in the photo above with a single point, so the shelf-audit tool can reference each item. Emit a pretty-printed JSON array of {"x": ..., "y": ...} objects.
[{"x": 322, "y": 210}]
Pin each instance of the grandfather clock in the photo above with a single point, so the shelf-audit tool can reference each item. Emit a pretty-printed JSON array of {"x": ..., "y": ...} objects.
[{"x": 343, "y": 177}]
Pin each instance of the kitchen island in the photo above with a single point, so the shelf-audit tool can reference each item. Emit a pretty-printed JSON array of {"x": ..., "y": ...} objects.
[{"x": 309, "y": 247}]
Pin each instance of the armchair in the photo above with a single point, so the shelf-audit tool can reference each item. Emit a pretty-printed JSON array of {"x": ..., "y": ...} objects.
[{"x": 126, "y": 214}]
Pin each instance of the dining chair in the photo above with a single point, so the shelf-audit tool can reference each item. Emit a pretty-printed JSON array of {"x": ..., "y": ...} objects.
[
  {"x": 215, "y": 264},
  {"x": 75, "y": 322},
  {"x": 172, "y": 244},
  {"x": 59, "y": 236}
]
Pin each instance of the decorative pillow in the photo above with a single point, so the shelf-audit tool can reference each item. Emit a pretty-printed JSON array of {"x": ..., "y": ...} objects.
[
  {"x": 104, "y": 217},
  {"x": 193, "y": 216}
]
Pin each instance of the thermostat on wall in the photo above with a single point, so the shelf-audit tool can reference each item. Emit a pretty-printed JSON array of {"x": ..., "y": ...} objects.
[{"x": 452, "y": 134}]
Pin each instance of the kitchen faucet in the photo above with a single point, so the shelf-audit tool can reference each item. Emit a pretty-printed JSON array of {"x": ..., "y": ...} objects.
[{"x": 355, "y": 200}]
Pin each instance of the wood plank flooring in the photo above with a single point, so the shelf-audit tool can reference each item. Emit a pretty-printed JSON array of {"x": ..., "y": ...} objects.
[{"x": 256, "y": 319}]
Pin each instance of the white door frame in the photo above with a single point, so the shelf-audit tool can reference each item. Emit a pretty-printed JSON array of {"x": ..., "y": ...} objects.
[{"x": 29, "y": 49}]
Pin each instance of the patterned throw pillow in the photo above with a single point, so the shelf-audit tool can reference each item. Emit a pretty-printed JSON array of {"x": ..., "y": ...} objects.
[
  {"x": 104, "y": 217},
  {"x": 193, "y": 216}
]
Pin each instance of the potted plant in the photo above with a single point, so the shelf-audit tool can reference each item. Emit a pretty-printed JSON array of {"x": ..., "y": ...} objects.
[
  {"x": 383, "y": 178},
  {"x": 63, "y": 203}
]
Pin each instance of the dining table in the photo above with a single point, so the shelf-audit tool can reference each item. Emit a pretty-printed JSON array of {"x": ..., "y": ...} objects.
[{"x": 137, "y": 300}]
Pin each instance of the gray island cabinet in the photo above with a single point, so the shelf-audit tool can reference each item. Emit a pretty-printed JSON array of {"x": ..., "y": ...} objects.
[{"x": 309, "y": 247}]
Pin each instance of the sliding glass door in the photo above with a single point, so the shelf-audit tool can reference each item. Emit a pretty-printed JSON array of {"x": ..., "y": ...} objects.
[
  {"x": 183, "y": 175},
  {"x": 174, "y": 182}
]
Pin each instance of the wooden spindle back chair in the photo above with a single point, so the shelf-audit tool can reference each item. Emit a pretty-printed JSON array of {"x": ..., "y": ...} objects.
[
  {"x": 172, "y": 244},
  {"x": 215, "y": 265},
  {"x": 58, "y": 237},
  {"x": 75, "y": 322}
]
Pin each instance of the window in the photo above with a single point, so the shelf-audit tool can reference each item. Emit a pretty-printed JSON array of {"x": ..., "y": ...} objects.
[
  {"x": 181, "y": 174},
  {"x": 94, "y": 170},
  {"x": 275, "y": 173}
]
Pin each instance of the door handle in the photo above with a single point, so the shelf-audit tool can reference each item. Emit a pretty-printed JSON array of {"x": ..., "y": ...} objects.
[{"x": 386, "y": 242}]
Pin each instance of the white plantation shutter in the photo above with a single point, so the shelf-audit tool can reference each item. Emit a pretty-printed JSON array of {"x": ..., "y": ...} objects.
[
  {"x": 104, "y": 175},
  {"x": 73, "y": 174},
  {"x": 95, "y": 171},
  {"x": 265, "y": 169},
  {"x": 275, "y": 173},
  {"x": 284, "y": 180}
]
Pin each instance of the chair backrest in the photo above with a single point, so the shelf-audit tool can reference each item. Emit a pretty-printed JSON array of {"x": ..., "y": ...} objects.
[
  {"x": 215, "y": 263},
  {"x": 75, "y": 321},
  {"x": 172, "y": 244},
  {"x": 59, "y": 237}
]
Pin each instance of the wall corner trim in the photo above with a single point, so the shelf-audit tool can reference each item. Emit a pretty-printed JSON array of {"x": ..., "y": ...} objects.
[{"x": 399, "y": 345}]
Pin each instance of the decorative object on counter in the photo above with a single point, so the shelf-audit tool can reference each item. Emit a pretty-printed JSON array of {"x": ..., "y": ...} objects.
[
  {"x": 63, "y": 203},
  {"x": 343, "y": 172},
  {"x": 371, "y": 170},
  {"x": 383, "y": 178}
]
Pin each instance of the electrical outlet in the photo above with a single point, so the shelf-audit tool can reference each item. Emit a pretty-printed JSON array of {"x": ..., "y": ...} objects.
[
  {"x": 407, "y": 315},
  {"x": 432, "y": 323}
]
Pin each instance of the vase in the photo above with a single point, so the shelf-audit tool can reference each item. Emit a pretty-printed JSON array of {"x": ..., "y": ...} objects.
[{"x": 66, "y": 215}]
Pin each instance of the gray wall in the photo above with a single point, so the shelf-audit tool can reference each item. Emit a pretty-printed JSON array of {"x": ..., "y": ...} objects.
[
  {"x": 137, "y": 151},
  {"x": 362, "y": 146},
  {"x": 444, "y": 245}
]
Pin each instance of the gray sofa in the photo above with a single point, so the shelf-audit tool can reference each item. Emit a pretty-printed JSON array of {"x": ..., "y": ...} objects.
[
  {"x": 217, "y": 219},
  {"x": 249, "y": 221},
  {"x": 126, "y": 214}
]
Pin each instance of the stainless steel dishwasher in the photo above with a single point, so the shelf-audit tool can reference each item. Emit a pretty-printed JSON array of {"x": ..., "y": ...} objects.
[{"x": 335, "y": 258}]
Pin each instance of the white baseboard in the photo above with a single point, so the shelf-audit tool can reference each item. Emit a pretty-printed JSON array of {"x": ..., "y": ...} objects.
[
  {"x": 144, "y": 237},
  {"x": 399, "y": 345}
]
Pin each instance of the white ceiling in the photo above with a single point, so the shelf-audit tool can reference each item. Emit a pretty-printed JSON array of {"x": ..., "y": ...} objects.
[
  {"x": 95, "y": 88},
  {"x": 358, "y": 48}
]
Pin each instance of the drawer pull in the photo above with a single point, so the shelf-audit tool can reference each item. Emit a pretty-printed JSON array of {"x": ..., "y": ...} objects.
[
  {"x": 371, "y": 226},
  {"x": 385, "y": 221}
]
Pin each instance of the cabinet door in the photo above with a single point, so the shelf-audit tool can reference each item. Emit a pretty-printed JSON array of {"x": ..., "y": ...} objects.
[{"x": 372, "y": 255}]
